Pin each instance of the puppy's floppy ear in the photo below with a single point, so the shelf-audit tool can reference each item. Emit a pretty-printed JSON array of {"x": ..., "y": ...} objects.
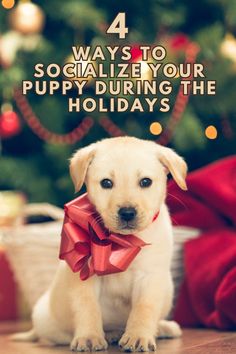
[
  {"x": 79, "y": 164},
  {"x": 174, "y": 164}
]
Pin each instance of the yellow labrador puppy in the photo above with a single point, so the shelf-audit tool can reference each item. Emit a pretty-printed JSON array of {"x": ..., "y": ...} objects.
[{"x": 126, "y": 182}]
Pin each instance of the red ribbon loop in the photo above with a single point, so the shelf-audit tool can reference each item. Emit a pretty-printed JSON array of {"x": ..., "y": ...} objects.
[{"x": 88, "y": 247}]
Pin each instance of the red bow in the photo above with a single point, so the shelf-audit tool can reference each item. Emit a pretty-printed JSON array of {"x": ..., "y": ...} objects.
[{"x": 88, "y": 247}]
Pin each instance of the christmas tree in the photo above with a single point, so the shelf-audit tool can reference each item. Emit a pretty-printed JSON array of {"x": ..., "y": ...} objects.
[{"x": 38, "y": 134}]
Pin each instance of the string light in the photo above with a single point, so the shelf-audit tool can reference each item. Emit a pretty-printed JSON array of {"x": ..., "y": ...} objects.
[
  {"x": 156, "y": 128},
  {"x": 8, "y": 4},
  {"x": 211, "y": 132}
]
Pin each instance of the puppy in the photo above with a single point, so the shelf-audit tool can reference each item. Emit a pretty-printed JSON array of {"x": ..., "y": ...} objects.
[{"x": 126, "y": 182}]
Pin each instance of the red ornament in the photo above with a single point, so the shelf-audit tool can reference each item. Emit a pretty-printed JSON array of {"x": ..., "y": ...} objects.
[
  {"x": 9, "y": 124},
  {"x": 136, "y": 53},
  {"x": 179, "y": 42}
]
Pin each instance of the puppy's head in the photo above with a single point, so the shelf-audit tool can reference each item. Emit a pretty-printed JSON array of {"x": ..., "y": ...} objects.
[{"x": 126, "y": 180}]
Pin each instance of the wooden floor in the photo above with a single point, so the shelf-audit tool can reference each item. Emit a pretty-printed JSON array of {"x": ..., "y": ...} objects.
[{"x": 194, "y": 341}]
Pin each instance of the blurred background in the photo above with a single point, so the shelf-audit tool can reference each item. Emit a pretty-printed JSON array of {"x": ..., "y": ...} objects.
[
  {"x": 34, "y": 147},
  {"x": 38, "y": 135}
]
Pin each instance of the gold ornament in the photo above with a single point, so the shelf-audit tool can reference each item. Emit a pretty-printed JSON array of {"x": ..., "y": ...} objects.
[
  {"x": 11, "y": 204},
  {"x": 228, "y": 47},
  {"x": 12, "y": 41},
  {"x": 83, "y": 65},
  {"x": 27, "y": 18},
  {"x": 145, "y": 71}
]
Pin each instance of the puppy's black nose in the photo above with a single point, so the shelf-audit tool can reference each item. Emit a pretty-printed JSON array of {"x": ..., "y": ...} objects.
[{"x": 127, "y": 214}]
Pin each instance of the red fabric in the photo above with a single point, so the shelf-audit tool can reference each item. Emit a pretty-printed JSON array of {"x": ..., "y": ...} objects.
[
  {"x": 210, "y": 201},
  {"x": 8, "y": 306},
  {"x": 208, "y": 293}
]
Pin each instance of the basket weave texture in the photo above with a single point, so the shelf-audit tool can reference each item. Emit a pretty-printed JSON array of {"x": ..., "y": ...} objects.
[{"x": 33, "y": 251}]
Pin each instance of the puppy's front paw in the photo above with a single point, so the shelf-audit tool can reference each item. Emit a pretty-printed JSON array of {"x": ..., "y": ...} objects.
[
  {"x": 131, "y": 342},
  {"x": 90, "y": 343}
]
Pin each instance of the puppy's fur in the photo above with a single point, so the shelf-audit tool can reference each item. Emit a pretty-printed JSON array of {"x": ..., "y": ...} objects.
[{"x": 130, "y": 307}]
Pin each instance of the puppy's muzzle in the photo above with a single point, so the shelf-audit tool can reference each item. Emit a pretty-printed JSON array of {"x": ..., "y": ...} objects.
[{"x": 127, "y": 214}]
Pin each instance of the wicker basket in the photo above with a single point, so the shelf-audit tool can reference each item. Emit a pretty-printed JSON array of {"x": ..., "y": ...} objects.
[{"x": 33, "y": 250}]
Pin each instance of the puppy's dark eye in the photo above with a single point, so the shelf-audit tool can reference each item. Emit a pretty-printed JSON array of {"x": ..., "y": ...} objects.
[
  {"x": 145, "y": 182},
  {"x": 106, "y": 183}
]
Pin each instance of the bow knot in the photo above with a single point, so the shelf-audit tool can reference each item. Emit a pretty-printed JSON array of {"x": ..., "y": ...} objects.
[{"x": 88, "y": 247}]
